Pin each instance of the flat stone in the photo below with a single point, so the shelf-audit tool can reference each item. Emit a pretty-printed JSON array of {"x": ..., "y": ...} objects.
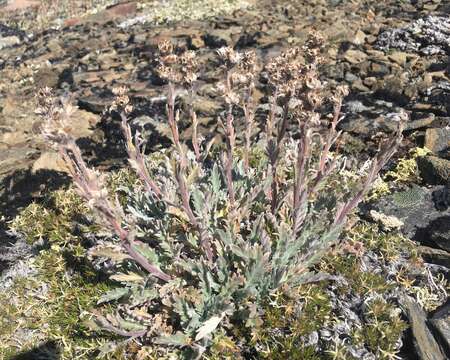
[
  {"x": 9, "y": 41},
  {"x": 355, "y": 56},
  {"x": 123, "y": 9},
  {"x": 438, "y": 140},
  {"x": 398, "y": 57},
  {"x": 425, "y": 213},
  {"x": 441, "y": 323},
  {"x": 435, "y": 256},
  {"x": 49, "y": 161},
  {"x": 426, "y": 346},
  {"x": 359, "y": 38},
  {"x": 422, "y": 120},
  {"x": 18, "y": 5}
]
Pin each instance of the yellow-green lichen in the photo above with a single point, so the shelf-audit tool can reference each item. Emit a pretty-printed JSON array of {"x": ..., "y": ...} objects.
[{"x": 406, "y": 170}]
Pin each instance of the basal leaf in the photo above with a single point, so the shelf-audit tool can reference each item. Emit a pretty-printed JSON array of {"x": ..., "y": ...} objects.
[
  {"x": 112, "y": 295},
  {"x": 177, "y": 339},
  {"x": 208, "y": 327}
]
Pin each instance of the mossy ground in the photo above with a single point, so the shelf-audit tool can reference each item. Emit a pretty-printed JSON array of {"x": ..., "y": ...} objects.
[{"x": 53, "y": 304}]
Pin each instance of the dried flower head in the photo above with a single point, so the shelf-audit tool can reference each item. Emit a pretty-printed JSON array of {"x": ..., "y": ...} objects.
[
  {"x": 313, "y": 48},
  {"x": 165, "y": 48},
  {"x": 121, "y": 101},
  {"x": 56, "y": 114},
  {"x": 179, "y": 69},
  {"x": 229, "y": 57}
]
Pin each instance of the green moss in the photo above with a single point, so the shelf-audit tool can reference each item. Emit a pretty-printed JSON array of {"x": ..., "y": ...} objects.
[
  {"x": 287, "y": 319},
  {"x": 49, "y": 306},
  {"x": 52, "y": 220},
  {"x": 383, "y": 326}
]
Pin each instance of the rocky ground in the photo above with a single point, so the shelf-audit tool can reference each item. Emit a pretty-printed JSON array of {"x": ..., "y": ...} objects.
[{"x": 394, "y": 55}]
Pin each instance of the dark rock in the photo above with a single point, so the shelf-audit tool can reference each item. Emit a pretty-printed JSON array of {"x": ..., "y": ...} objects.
[
  {"x": 368, "y": 119},
  {"x": 7, "y": 31},
  {"x": 391, "y": 88},
  {"x": 435, "y": 256},
  {"x": 438, "y": 140},
  {"x": 423, "y": 212},
  {"x": 441, "y": 323},
  {"x": 434, "y": 170},
  {"x": 94, "y": 104},
  {"x": 217, "y": 38},
  {"x": 426, "y": 345},
  {"x": 420, "y": 120},
  {"x": 65, "y": 78}
]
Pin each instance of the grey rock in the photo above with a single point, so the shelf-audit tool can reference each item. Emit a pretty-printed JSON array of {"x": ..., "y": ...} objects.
[
  {"x": 420, "y": 120},
  {"x": 441, "y": 323},
  {"x": 423, "y": 211},
  {"x": 426, "y": 345},
  {"x": 435, "y": 256}
]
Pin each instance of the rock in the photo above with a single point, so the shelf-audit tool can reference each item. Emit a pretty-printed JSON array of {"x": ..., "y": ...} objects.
[
  {"x": 122, "y": 9},
  {"x": 441, "y": 232},
  {"x": 370, "y": 81},
  {"x": 7, "y": 31},
  {"x": 94, "y": 104},
  {"x": 367, "y": 121},
  {"x": 15, "y": 158},
  {"x": 18, "y": 5},
  {"x": 49, "y": 161},
  {"x": 355, "y": 56},
  {"x": 350, "y": 77},
  {"x": 217, "y": 38},
  {"x": 424, "y": 212},
  {"x": 13, "y": 138},
  {"x": 9, "y": 41},
  {"x": 435, "y": 256},
  {"x": 441, "y": 323},
  {"x": 438, "y": 140},
  {"x": 434, "y": 170},
  {"x": 46, "y": 77},
  {"x": 398, "y": 57},
  {"x": 387, "y": 222},
  {"x": 196, "y": 42},
  {"x": 420, "y": 120},
  {"x": 359, "y": 38},
  {"x": 378, "y": 69},
  {"x": 426, "y": 346}
]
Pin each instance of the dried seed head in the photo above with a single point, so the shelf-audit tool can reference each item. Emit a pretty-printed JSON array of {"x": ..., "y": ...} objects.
[
  {"x": 181, "y": 69},
  {"x": 121, "y": 102},
  {"x": 248, "y": 62},
  {"x": 56, "y": 115},
  {"x": 229, "y": 57},
  {"x": 165, "y": 48},
  {"x": 189, "y": 67},
  {"x": 286, "y": 72},
  {"x": 313, "y": 48}
]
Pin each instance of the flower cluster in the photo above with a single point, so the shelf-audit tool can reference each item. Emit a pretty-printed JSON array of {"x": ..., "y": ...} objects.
[{"x": 176, "y": 68}]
